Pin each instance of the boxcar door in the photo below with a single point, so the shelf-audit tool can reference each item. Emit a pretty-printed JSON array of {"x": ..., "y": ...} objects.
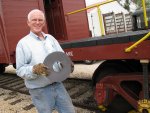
[{"x": 54, "y": 17}]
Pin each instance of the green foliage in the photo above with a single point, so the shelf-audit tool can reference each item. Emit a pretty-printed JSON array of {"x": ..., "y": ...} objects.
[
  {"x": 126, "y": 5},
  {"x": 138, "y": 4}
]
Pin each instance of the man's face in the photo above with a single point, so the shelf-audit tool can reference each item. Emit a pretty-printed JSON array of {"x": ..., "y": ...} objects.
[{"x": 36, "y": 22}]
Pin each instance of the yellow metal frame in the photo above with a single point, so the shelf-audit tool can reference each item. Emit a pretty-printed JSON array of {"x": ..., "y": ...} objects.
[
  {"x": 100, "y": 20},
  {"x": 138, "y": 42},
  {"x": 145, "y": 14},
  {"x": 144, "y": 105},
  {"x": 99, "y": 12},
  {"x": 93, "y": 6}
]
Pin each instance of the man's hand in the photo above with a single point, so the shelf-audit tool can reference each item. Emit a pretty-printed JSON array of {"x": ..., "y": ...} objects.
[{"x": 40, "y": 69}]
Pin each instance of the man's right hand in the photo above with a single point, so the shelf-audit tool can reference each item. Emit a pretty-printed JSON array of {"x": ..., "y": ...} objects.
[{"x": 40, "y": 69}]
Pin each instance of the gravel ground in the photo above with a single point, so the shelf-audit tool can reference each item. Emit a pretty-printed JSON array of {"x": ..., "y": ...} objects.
[{"x": 80, "y": 71}]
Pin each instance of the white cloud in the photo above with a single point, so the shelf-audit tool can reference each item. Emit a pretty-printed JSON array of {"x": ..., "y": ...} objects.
[
  {"x": 90, "y": 2},
  {"x": 109, "y": 7}
]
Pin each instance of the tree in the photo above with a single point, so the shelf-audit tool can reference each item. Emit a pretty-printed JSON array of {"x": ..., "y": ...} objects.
[
  {"x": 127, "y": 5},
  {"x": 138, "y": 3}
]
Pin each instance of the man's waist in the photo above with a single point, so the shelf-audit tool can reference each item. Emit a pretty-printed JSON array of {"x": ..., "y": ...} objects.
[{"x": 54, "y": 83}]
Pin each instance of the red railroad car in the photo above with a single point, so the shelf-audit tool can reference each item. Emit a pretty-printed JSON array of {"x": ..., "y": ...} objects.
[
  {"x": 121, "y": 82},
  {"x": 122, "y": 79}
]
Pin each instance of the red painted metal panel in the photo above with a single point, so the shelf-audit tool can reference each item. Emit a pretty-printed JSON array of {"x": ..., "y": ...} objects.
[
  {"x": 76, "y": 24},
  {"x": 4, "y": 58},
  {"x": 4, "y": 55},
  {"x": 113, "y": 51}
]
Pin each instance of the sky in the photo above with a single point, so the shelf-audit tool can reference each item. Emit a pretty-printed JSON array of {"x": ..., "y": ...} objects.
[
  {"x": 107, "y": 8},
  {"x": 90, "y": 2}
]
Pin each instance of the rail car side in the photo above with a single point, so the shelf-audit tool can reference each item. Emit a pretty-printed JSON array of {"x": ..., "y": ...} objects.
[
  {"x": 119, "y": 79},
  {"x": 122, "y": 79}
]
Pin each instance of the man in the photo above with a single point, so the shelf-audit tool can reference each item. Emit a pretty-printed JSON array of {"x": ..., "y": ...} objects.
[{"x": 31, "y": 51}]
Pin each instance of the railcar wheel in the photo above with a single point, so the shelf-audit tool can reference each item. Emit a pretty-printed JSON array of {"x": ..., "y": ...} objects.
[
  {"x": 118, "y": 104},
  {"x": 109, "y": 69},
  {"x": 2, "y": 68}
]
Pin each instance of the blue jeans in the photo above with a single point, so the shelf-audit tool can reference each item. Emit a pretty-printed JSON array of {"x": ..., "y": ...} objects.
[{"x": 51, "y": 97}]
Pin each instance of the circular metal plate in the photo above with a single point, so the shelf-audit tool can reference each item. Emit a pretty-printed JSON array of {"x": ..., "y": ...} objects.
[{"x": 59, "y": 66}]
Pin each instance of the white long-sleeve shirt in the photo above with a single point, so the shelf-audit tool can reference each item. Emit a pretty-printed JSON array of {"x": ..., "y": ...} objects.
[{"x": 31, "y": 50}]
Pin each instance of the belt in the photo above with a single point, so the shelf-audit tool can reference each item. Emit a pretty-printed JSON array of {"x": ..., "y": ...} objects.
[{"x": 54, "y": 83}]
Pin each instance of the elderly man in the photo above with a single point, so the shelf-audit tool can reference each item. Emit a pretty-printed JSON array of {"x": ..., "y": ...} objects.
[{"x": 31, "y": 51}]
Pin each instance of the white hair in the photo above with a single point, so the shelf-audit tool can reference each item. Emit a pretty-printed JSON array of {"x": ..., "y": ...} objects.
[{"x": 33, "y": 11}]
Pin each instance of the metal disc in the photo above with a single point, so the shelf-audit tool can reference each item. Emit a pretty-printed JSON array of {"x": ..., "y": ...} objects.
[{"x": 59, "y": 66}]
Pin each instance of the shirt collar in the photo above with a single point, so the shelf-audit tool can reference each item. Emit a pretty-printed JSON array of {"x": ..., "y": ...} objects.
[{"x": 35, "y": 36}]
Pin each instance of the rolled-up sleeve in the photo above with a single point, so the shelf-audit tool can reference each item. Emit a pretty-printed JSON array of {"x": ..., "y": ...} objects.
[{"x": 23, "y": 68}]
